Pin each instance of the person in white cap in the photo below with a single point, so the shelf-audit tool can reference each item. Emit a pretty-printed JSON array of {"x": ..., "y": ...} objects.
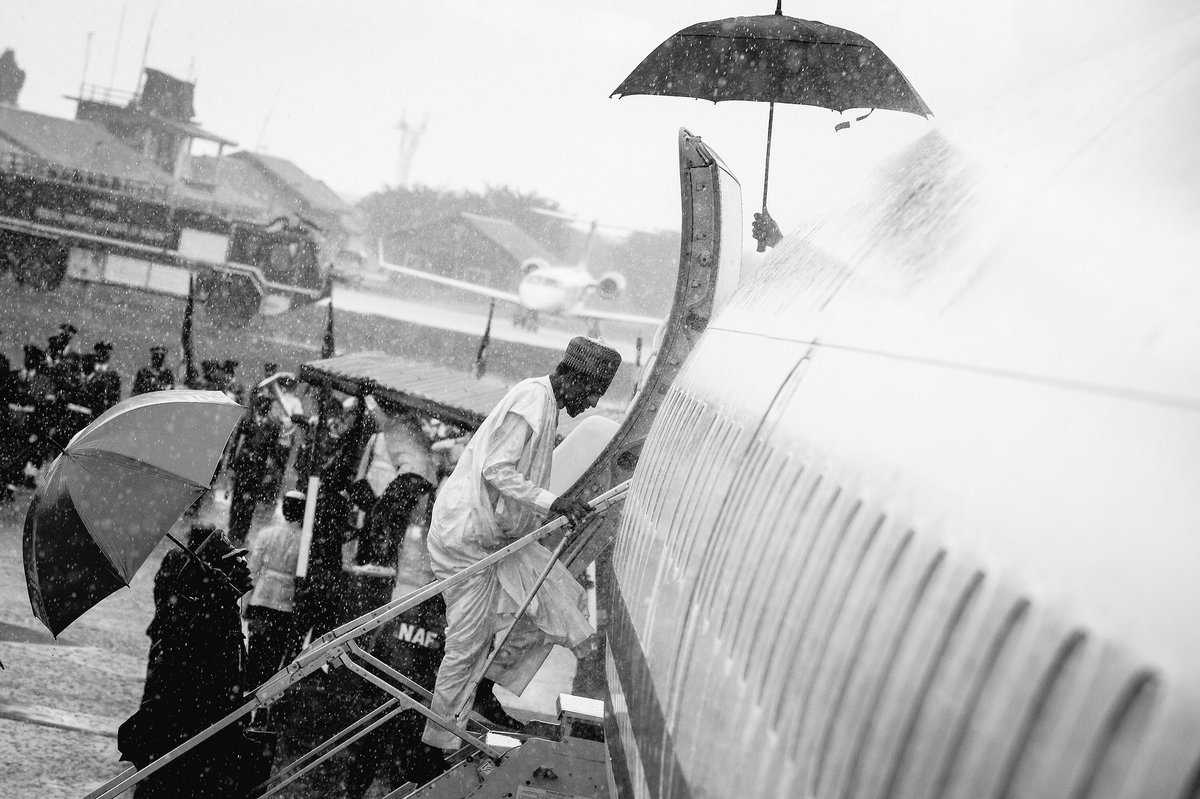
[
  {"x": 274, "y": 551},
  {"x": 496, "y": 494}
]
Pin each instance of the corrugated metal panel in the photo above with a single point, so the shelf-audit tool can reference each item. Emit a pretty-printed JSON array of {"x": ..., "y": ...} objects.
[{"x": 452, "y": 396}]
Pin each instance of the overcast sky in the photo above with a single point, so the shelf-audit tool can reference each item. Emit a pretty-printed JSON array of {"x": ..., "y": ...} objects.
[{"x": 511, "y": 93}]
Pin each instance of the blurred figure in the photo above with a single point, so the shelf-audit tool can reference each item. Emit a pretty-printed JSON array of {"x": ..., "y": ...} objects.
[
  {"x": 232, "y": 387},
  {"x": 210, "y": 378},
  {"x": 156, "y": 376},
  {"x": 11, "y": 443},
  {"x": 412, "y": 644},
  {"x": 35, "y": 405},
  {"x": 273, "y": 556},
  {"x": 318, "y": 601},
  {"x": 288, "y": 412},
  {"x": 103, "y": 383},
  {"x": 404, "y": 503},
  {"x": 253, "y": 455},
  {"x": 371, "y": 584},
  {"x": 12, "y": 78},
  {"x": 194, "y": 676}
]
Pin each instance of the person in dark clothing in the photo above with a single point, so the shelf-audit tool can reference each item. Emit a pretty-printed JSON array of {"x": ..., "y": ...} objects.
[
  {"x": 253, "y": 450},
  {"x": 157, "y": 376},
  {"x": 318, "y": 600},
  {"x": 195, "y": 673},
  {"x": 60, "y": 421},
  {"x": 230, "y": 384},
  {"x": 412, "y": 645},
  {"x": 380, "y": 541},
  {"x": 103, "y": 387},
  {"x": 390, "y": 518},
  {"x": 35, "y": 405},
  {"x": 11, "y": 443}
]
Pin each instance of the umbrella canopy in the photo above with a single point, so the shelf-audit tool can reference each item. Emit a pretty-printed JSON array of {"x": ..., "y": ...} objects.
[
  {"x": 778, "y": 59},
  {"x": 774, "y": 59},
  {"x": 113, "y": 494}
]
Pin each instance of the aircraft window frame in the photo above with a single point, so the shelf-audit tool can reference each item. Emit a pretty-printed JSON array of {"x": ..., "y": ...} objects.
[
  {"x": 710, "y": 457},
  {"x": 821, "y": 626},
  {"x": 716, "y": 552},
  {"x": 1064, "y": 680},
  {"x": 710, "y": 520},
  {"x": 943, "y": 637},
  {"x": 783, "y": 493},
  {"x": 1004, "y": 643},
  {"x": 760, "y": 503},
  {"x": 830, "y": 678},
  {"x": 811, "y": 568},
  {"x": 876, "y": 649}
]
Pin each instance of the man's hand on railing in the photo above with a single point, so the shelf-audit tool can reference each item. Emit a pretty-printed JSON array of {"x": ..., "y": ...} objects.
[{"x": 573, "y": 508}]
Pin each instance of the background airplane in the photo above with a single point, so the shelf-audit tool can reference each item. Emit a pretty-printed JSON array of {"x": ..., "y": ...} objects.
[{"x": 545, "y": 288}]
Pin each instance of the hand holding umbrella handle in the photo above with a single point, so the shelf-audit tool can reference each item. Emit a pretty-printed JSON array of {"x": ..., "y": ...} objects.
[
  {"x": 766, "y": 230},
  {"x": 204, "y": 566}
]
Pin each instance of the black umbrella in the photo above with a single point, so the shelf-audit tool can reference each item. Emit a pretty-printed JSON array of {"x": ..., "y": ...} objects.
[{"x": 774, "y": 59}]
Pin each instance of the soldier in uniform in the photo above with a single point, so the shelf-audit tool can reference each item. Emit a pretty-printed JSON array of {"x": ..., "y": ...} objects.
[
  {"x": 210, "y": 378},
  {"x": 253, "y": 449},
  {"x": 69, "y": 372},
  {"x": 103, "y": 384},
  {"x": 34, "y": 393},
  {"x": 10, "y": 431},
  {"x": 157, "y": 376},
  {"x": 234, "y": 389},
  {"x": 69, "y": 357}
]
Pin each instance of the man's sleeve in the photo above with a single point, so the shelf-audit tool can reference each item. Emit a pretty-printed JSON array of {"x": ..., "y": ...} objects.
[{"x": 500, "y": 464}]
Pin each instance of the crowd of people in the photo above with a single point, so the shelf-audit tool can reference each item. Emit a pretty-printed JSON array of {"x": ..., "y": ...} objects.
[
  {"x": 201, "y": 664},
  {"x": 59, "y": 389},
  {"x": 54, "y": 393}
]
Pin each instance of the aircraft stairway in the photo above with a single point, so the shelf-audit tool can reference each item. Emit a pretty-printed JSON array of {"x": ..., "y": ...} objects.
[{"x": 562, "y": 757}]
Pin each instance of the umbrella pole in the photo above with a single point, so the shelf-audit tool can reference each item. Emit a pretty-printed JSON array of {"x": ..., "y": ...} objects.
[
  {"x": 203, "y": 566},
  {"x": 762, "y": 246},
  {"x": 188, "y": 551}
]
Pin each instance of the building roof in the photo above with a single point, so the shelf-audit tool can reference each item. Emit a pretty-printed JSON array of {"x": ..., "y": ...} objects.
[
  {"x": 509, "y": 236},
  {"x": 452, "y": 396},
  {"x": 311, "y": 190},
  {"x": 236, "y": 178},
  {"x": 82, "y": 145}
]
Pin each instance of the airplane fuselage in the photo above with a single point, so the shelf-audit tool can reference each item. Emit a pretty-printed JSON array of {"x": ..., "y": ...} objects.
[
  {"x": 555, "y": 289},
  {"x": 917, "y": 515}
]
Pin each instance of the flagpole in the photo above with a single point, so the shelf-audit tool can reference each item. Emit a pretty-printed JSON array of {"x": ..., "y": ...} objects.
[
  {"x": 328, "y": 349},
  {"x": 484, "y": 341}
]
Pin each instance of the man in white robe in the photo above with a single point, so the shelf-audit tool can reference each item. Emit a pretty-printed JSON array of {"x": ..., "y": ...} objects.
[{"x": 496, "y": 494}]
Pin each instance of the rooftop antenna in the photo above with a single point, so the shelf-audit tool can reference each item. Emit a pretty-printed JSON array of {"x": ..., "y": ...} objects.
[
  {"x": 112, "y": 75},
  {"x": 146, "y": 49},
  {"x": 410, "y": 137},
  {"x": 87, "y": 56},
  {"x": 260, "y": 145}
]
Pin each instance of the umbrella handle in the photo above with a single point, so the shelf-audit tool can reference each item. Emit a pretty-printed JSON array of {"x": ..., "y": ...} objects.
[
  {"x": 762, "y": 244},
  {"x": 203, "y": 566}
]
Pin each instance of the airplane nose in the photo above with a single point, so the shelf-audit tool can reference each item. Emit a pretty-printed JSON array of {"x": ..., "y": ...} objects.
[{"x": 540, "y": 298}]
